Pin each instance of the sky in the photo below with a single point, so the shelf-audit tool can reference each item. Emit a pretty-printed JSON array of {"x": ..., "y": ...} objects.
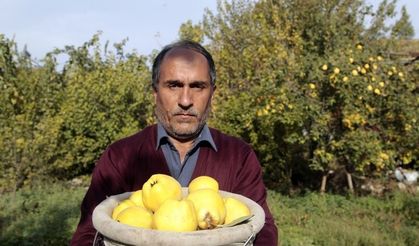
[{"x": 148, "y": 24}]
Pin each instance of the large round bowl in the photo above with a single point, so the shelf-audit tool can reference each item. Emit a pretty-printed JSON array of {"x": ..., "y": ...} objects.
[{"x": 115, "y": 233}]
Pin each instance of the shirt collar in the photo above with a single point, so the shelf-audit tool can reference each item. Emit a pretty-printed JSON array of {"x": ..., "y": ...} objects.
[{"x": 204, "y": 136}]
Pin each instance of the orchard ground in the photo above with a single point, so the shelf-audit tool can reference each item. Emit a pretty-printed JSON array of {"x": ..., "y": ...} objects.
[{"x": 47, "y": 214}]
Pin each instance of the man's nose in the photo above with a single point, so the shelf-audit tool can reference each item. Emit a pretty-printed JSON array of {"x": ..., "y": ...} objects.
[{"x": 185, "y": 98}]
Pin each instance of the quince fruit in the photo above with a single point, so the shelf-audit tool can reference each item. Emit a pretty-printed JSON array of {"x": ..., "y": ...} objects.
[
  {"x": 235, "y": 209},
  {"x": 209, "y": 207},
  {"x": 121, "y": 206},
  {"x": 158, "y": 189},
  {"x": 136, "y": 216},
  {"x": 174, "y": 215},
  {"x": 203, "y": 182},
  {"x": 137, "y": 198}
]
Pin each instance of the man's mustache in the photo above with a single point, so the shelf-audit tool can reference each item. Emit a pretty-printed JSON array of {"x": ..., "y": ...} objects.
[{"x": 190, "y": 112}]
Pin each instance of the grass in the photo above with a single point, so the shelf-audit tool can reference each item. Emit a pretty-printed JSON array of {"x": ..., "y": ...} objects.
[
  {"x": 48, "y": 215},
  {"x": 315, "y": 219},
  {"x": 44, "y": 215}
]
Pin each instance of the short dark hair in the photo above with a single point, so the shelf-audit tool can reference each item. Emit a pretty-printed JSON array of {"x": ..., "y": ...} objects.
[{"x": 186, "y": 44}]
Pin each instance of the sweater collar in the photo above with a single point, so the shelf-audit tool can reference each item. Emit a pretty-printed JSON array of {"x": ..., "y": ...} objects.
[{"x": 204, "y": 136}]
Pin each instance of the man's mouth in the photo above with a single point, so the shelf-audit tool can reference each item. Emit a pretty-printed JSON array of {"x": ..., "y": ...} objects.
[
  {"x": 185, "y": 117},
  {"x": 185, "y": 114}
]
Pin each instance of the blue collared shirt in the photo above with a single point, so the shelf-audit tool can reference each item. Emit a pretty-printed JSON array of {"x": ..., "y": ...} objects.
[{"x": 182, "y": 172}]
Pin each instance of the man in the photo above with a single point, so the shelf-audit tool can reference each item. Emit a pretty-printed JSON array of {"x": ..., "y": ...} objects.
[{"x": 180, "y": 145}]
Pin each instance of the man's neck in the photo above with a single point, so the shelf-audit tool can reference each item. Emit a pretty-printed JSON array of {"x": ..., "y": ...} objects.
[{"x": 182, "y": 147}]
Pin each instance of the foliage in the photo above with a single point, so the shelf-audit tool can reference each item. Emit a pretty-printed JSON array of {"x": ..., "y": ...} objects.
[
  {"x": 188, "y": 31},
  {"x": 301, "y": 81},
  {"x": 106, "y": 99},
  {"x": 57, "y": 123},
  {"x": 30, "y": 96},
  {"x": 46, "y": 214},
  {"x": 310, "y": 84},
  {"x": 403, "y": 29},
  {"x": 370, "y": 122}
]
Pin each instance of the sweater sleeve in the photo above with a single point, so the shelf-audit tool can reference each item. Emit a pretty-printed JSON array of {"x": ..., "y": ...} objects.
[
  {"x": 106, "y": 181},
  {"x": 250, "y": 184}
]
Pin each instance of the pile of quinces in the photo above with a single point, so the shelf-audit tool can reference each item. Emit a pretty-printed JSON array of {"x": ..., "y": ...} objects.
[{"x": 160, "y": 205}]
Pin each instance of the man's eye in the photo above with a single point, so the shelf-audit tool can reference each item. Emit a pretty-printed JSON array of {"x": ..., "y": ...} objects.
[
  {"x": 174, "y": 85},
  {"x": 198, "y": 86}
]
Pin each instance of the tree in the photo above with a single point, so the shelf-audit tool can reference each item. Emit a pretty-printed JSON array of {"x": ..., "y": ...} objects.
[
  {"x": 55, "y": 124},
  {"x": 403, "y": 28},
  {"x": 107, "y": 97},
  {"x": 29, "y": 96},
  {"x": 283, "y": 72},
  {"x": 189, "y": 31}
]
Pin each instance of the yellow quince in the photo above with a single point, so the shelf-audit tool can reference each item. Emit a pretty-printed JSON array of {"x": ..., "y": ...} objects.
[
  {"x": 209, "y": 207},
  {"x": 203, "y": 182},
  {"x": 136, "y": 216},
  {"x": 121, "y": 206},
  {"x": 174, "y": 215},
  {"x": 137, "y": 198},
  {"x": 158, "y": 189},
  {"x": 235, "y": 209}
]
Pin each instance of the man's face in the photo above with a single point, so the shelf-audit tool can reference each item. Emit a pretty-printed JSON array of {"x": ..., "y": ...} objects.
[{"x": 183, "y": 93}]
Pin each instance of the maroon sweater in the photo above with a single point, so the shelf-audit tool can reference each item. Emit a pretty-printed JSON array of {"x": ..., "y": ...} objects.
[{"x": 128, "y": 163}]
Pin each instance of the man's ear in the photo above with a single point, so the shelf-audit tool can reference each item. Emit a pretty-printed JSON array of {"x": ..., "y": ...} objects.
[
  {"x": 213, "y": 91},
  {"x": 154, "y": 93}
]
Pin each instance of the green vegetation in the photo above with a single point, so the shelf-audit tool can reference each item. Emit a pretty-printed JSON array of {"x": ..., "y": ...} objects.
[
  {"x": 55, "y": 124},
  {"x": 308, "y": 83},
  {"x": 315, "y": 219},
  {"x": 311, "y": 91},
  {"x": 48, "y": 214},
  {"x": 312, "y": 88}
]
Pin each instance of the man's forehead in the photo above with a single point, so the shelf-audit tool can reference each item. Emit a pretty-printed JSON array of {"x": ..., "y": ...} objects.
[{"x": 184, "y": 54}]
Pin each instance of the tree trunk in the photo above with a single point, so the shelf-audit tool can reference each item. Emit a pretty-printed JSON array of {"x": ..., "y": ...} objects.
[
  {"x": 350, "y": 184},
  {"x": 323, "y": 186}
]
